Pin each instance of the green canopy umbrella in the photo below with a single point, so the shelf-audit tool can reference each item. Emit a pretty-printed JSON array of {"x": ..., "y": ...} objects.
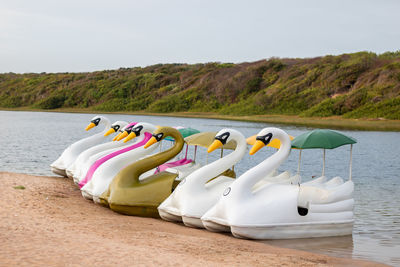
[
  {"x": 324, "y": 139},
  {"x": 185, "y": 132}
]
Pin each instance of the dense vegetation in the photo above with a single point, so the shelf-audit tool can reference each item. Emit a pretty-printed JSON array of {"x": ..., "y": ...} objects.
[{"x": 359, "y": 85}]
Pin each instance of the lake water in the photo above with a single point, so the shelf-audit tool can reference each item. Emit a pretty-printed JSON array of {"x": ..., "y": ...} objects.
[{"x": 30, "y": 141}]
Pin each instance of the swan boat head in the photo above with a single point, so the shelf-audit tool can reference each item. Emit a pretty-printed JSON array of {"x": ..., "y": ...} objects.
[
  {"x": 140, "y": 129},
  {"x": 97, "y": 120},
  {"x": 125, "y": 132},
  {"x": 223, "y": 137},
  {"x": 121, "y": 130},
  {"x": 161, "y": 133},
  {"x": 115, "y": 127}
]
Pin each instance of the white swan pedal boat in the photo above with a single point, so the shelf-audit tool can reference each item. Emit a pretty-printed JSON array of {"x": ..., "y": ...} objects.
[
  {"x": 199, "y": 191},
  {"x": 282, "y": 211},
  {"x": 83, "y": 157},
  {"x": 70, "y": 154}
]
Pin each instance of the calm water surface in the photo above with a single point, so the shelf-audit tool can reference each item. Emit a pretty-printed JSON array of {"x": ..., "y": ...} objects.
[{"x": 30, "y": 141}]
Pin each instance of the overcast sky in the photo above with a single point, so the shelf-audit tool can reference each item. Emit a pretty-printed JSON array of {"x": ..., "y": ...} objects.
[{"x": 78, "y": 35}]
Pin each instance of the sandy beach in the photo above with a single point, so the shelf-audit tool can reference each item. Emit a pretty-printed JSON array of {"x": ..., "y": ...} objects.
[{"x": 50, "y": 223}]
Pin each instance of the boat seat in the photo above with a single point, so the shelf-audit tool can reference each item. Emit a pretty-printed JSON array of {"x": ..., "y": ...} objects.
[
  {"x": 173, "y": 164},
  {"x": 272, "y": 174},
  {"x": 286, "y": 179},
  {"x": 332, "y": 183},
  {"x": 336, "y": 181},
  {"x": 229, "y": 173},
  {"x": 184, "y": 170},
  {"x": 283, "y": 178},
  {"x": 316, "y": 181},
  {"x": 296, "y": 179},
  {"x": 271, "y": 179},
  {"x": 318, "y": 195}
]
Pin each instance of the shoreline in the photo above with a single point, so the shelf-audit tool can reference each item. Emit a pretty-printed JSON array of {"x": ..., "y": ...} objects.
[
  {"x": 315, "y": 122},
  {"x": 46, "y": 221}
]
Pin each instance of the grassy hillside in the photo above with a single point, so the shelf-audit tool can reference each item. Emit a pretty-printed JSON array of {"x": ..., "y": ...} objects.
[{"x": 359, "y": 85}]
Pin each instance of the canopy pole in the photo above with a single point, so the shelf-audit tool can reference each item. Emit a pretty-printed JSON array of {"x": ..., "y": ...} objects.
[
  {"x": 351, "y": 159},
  {"x": 222, "y": 152},
  {"x": 298, "y": 167},
  {"x": 323, "y": 165},
  {"x": 195, "y": 152},
  {"x": 187, "y": 147},
  {"x": 207, "y": 159}
]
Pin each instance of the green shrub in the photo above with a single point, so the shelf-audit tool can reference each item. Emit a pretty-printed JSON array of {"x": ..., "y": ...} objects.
[
  {"x": 388, "y": 109},
  {"x": 328, "y": 107},
  {"x": 253, "y": 85},
  {"x": 112, "y": 105},
  {"x": 139, "y": 104},
  {"x": 51, "y": 102},
  {"x": 225, "y": 65},
  {"x": 244, "y": 107},
  {"x": 390, "y": 55},
  {"x": 172, "y": 103},
  {"x": 11, "y": 102}
]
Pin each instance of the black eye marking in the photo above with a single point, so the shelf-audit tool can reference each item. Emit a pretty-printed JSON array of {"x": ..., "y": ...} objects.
[
  {"x": 137, "y": 130},
  {"x": 158, "y": 136},
  {"x": 223, "y": 137},
  {"x": 96, "y": 121},
  {"x": 265, "y": 138},
  {"x": 116, "y": 127},
  {"x": 129, "y": 129}
]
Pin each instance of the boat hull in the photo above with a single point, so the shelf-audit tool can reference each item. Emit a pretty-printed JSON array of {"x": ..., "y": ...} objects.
[
  {"x": 168, "y": 216},
  {"x": 192, "y": 222},
  {"x": 58, "y": 171},
  {"x": 142, "y": 211},
  {"x": 216, "y": 227},
  {"x": 291, "y": 231}
]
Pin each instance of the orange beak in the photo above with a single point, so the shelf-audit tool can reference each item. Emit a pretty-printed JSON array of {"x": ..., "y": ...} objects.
[
  {"x": 151, "y": 141},
  {"x": 122, "y": 135},
  {"x": 216, "y": 144},
  {"x": 90, "y": 126},
  {"x": 130, "y": 137},
  {"x": 116, "y": 137},
  {"x": 109, "y": 132},
  {"x": 257, "y": 146}
]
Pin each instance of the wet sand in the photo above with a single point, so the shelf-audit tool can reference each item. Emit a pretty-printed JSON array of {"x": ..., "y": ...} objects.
[{"x": 49, "y": 223}]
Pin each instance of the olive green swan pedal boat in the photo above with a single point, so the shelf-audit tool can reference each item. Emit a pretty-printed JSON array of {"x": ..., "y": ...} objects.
[{"x": 129, "y": 195}]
